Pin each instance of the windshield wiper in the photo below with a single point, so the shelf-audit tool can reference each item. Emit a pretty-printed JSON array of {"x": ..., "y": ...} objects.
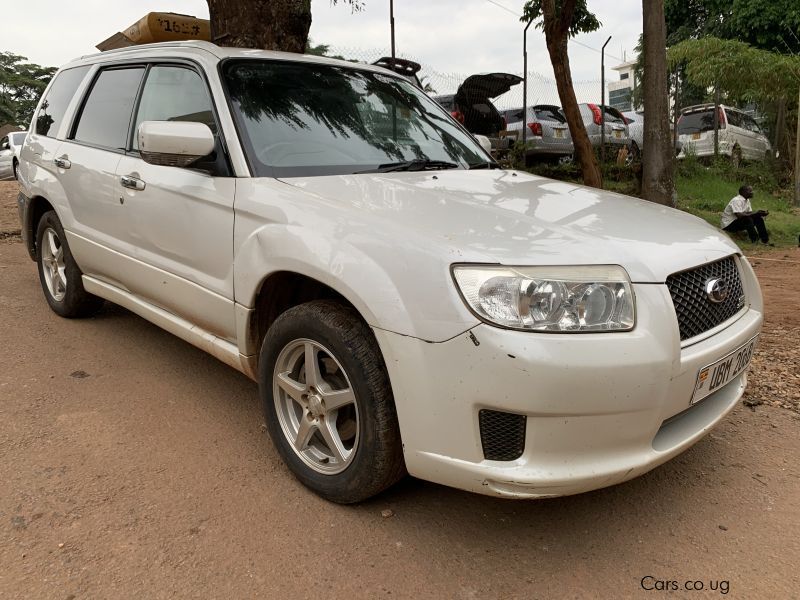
[
  {"x": 485, "y": 165},
  {"x": 418, "y": 164}
]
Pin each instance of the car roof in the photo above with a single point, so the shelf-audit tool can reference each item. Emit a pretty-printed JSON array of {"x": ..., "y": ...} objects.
[{"x": 168, "y": 50}]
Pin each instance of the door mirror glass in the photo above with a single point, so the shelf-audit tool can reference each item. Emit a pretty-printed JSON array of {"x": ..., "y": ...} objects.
[{"x": 174, "y": 143}]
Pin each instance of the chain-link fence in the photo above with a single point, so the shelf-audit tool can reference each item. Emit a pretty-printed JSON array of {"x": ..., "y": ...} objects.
[{"x": 541, "y": 89}]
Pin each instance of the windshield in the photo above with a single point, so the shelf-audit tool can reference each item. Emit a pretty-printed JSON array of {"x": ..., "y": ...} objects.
[{"x": 306, "y": 119}]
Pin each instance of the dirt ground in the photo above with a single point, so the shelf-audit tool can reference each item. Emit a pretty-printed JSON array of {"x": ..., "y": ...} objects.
[{"x": 134, "y": 465}]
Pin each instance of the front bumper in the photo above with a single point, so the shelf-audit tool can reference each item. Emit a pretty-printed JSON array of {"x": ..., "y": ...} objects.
[{"x": 600, "y": 408}]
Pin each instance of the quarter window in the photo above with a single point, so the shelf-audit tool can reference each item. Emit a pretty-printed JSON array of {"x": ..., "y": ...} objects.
[
  {"x": 174, "y": 93},
  {"x": 106, "y": 115},
  {"x": 51, "y": 112}
]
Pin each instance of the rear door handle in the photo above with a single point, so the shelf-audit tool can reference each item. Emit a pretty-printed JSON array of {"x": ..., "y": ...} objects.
[
  {"x": 62, "y": 162},
  {"x": 132, "y": 183}
]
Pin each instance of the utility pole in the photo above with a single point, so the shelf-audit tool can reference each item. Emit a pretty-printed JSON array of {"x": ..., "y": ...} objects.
[
  {"x": 603, "y": 103},
  {"x": 797, "y": 159},
  {"x": 525, "y": 83},
  {"x": 391, "y": 25}
]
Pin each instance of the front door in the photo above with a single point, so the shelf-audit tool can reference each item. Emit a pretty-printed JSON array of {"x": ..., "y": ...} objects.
[{"x": 179, "y": 221}]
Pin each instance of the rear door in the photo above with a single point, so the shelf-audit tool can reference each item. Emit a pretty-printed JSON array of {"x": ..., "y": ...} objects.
[
  {"x": 86, "y": 166},
  {"x": 179, "y": 221}
]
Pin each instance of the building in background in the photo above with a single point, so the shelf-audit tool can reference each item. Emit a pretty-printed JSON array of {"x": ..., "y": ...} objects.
[{"x": 620, "y": 93}]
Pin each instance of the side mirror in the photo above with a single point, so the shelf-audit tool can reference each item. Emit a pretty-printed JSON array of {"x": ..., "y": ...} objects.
[{"x": 174, "y": 143}]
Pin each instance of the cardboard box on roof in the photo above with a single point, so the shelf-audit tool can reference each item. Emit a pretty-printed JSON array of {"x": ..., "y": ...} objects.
[{"x": 159, "y": 27}]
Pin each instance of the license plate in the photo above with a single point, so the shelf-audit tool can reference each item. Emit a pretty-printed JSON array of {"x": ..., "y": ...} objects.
[
  {"x": 695, "y": 136},
  {"x": 559, "y": 133},
  {"x": 722, "y": 372},
  {"x": 618, "y": 134}
]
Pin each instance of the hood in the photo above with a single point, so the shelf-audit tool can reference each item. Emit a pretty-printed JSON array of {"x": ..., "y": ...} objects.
[
  {"x": 489, "y": 85},
  {"x": 514, "y": 218}
]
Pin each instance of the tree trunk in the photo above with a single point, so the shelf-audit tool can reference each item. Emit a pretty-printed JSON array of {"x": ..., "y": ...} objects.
[
  {"x": 556, "y": 38},
  {"x": 657, "y": 153},
  {"x": 264, "y": 24}
]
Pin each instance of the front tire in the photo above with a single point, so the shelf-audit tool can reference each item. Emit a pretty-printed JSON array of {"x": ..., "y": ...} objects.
[
  {"x": 59, "y": 275},
  {"x": 328, "y": 404}
]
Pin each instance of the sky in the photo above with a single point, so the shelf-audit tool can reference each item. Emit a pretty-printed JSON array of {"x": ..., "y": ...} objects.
[{"x": 451, "y": 36}]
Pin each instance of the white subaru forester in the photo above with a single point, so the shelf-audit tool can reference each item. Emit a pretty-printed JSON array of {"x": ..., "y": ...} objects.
[{"x": 404, "y": 304}]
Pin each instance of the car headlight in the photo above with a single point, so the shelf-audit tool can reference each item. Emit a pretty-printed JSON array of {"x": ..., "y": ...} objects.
[{"x": 553, "y": 299}]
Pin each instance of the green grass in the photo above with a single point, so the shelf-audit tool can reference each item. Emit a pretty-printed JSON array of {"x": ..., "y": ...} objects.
[{"x": 704, "y": 191}]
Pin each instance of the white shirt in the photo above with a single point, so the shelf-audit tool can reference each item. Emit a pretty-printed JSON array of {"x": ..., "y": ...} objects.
[{"x": 738, "y": 204}]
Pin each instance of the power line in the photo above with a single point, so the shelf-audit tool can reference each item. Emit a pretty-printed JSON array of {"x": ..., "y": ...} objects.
[{"x": 513, "y": 12}]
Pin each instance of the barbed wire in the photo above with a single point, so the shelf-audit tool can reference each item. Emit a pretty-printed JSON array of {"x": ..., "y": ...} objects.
[{"x": 541, "y": 88}]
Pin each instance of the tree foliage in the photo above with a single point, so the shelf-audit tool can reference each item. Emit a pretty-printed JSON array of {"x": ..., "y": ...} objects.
[
  {"x": 21, "y": 85},
  {"x": 743, "y": 73},
  {"x": 772, "y": 25},
  {"x": 576, "y": 19}
]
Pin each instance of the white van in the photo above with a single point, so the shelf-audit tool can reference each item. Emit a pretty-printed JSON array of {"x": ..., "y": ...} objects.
[{"x": 740, "y": 137}]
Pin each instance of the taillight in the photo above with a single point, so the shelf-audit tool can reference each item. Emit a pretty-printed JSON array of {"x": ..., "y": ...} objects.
[
  {"x": 536, "y": 128},
  {"x": 721, "y": 118},
  {"x": 598, "y": 116},
  {"x": 458, "y": 116}
]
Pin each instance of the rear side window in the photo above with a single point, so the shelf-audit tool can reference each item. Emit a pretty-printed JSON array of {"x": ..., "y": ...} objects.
[
  {"x": 106, "y": 115},
  {"x": 174, "y": 93},
  {"x": 734, "y": 118},
  {"x": 696, "y": 122},
  {"x": 51, "y": 113}
]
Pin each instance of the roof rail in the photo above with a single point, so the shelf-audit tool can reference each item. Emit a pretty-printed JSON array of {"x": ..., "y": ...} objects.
[{"x": 199, "y": 44}]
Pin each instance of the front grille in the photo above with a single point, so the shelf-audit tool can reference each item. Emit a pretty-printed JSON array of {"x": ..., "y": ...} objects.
[
  {"x": 696, "y": 312},
  {"x": 502, "y": 434}
]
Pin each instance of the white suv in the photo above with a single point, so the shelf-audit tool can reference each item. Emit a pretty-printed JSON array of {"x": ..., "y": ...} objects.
[{"x": 404, "y": 304}]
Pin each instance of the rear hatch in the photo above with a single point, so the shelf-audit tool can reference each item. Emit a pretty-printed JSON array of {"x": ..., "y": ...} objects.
[
  {"x": 473, "y": 99},
  {"x": 553, "y": 123},
  {"x": 696, "y": 129}
]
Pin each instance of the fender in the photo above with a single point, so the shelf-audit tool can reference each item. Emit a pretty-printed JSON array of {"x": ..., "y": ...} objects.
[{"x": 281, "y": 228}]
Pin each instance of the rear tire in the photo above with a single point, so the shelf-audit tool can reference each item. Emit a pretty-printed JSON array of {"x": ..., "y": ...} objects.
[
  {"x": 59, "y": 275},
  {"x": 334, "y": 426}
]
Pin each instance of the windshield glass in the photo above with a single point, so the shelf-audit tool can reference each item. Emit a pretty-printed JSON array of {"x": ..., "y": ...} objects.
[
  {"x": 696, "y": 122},
  {"x": 305, "y": 119}
]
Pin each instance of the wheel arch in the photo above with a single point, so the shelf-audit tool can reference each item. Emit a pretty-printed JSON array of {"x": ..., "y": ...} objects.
[
  {"x": 281, "y": 290},
  {"x": 37, "y": 207}
]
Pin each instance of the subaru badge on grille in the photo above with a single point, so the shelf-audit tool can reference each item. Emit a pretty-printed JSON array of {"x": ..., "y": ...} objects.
[{"x": 717, "y": 290}]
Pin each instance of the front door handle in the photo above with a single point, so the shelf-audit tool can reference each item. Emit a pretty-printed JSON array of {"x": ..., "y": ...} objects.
[
  {"x": 132, "y": 183},
  {"x": 62, "y": 162}
]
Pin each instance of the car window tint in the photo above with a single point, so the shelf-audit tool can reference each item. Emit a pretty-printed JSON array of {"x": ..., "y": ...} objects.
[
  {"x": 734, "y": 118},
  {"x": 548, "y": 113},
  {"x": 174, "y": 93},
  {"x": 696, "y": 122},
  {"x": 51, "y": 112},
  {"x": 106, "y": 115}
]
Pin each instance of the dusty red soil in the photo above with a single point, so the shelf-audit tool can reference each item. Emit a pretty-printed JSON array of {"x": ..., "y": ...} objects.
[{"x": 134, "y": 465}]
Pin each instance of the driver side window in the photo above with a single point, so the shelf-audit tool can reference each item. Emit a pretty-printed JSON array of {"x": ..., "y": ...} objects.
[{"x": 174, "y": 93}]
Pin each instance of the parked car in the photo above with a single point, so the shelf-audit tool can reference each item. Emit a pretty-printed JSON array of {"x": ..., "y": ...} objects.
[
  {"x": 472, "y": 106},
  {"x": 404, "y": 304},
  {"x": 548, "y": 135},
  {"x": 635, "y": 121},
  {"x": 740, "y": 137},
  {"x": 616, "y": 129},
  {"x": 10, "y": 146},
  {"x": 6, "y": 159}
]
